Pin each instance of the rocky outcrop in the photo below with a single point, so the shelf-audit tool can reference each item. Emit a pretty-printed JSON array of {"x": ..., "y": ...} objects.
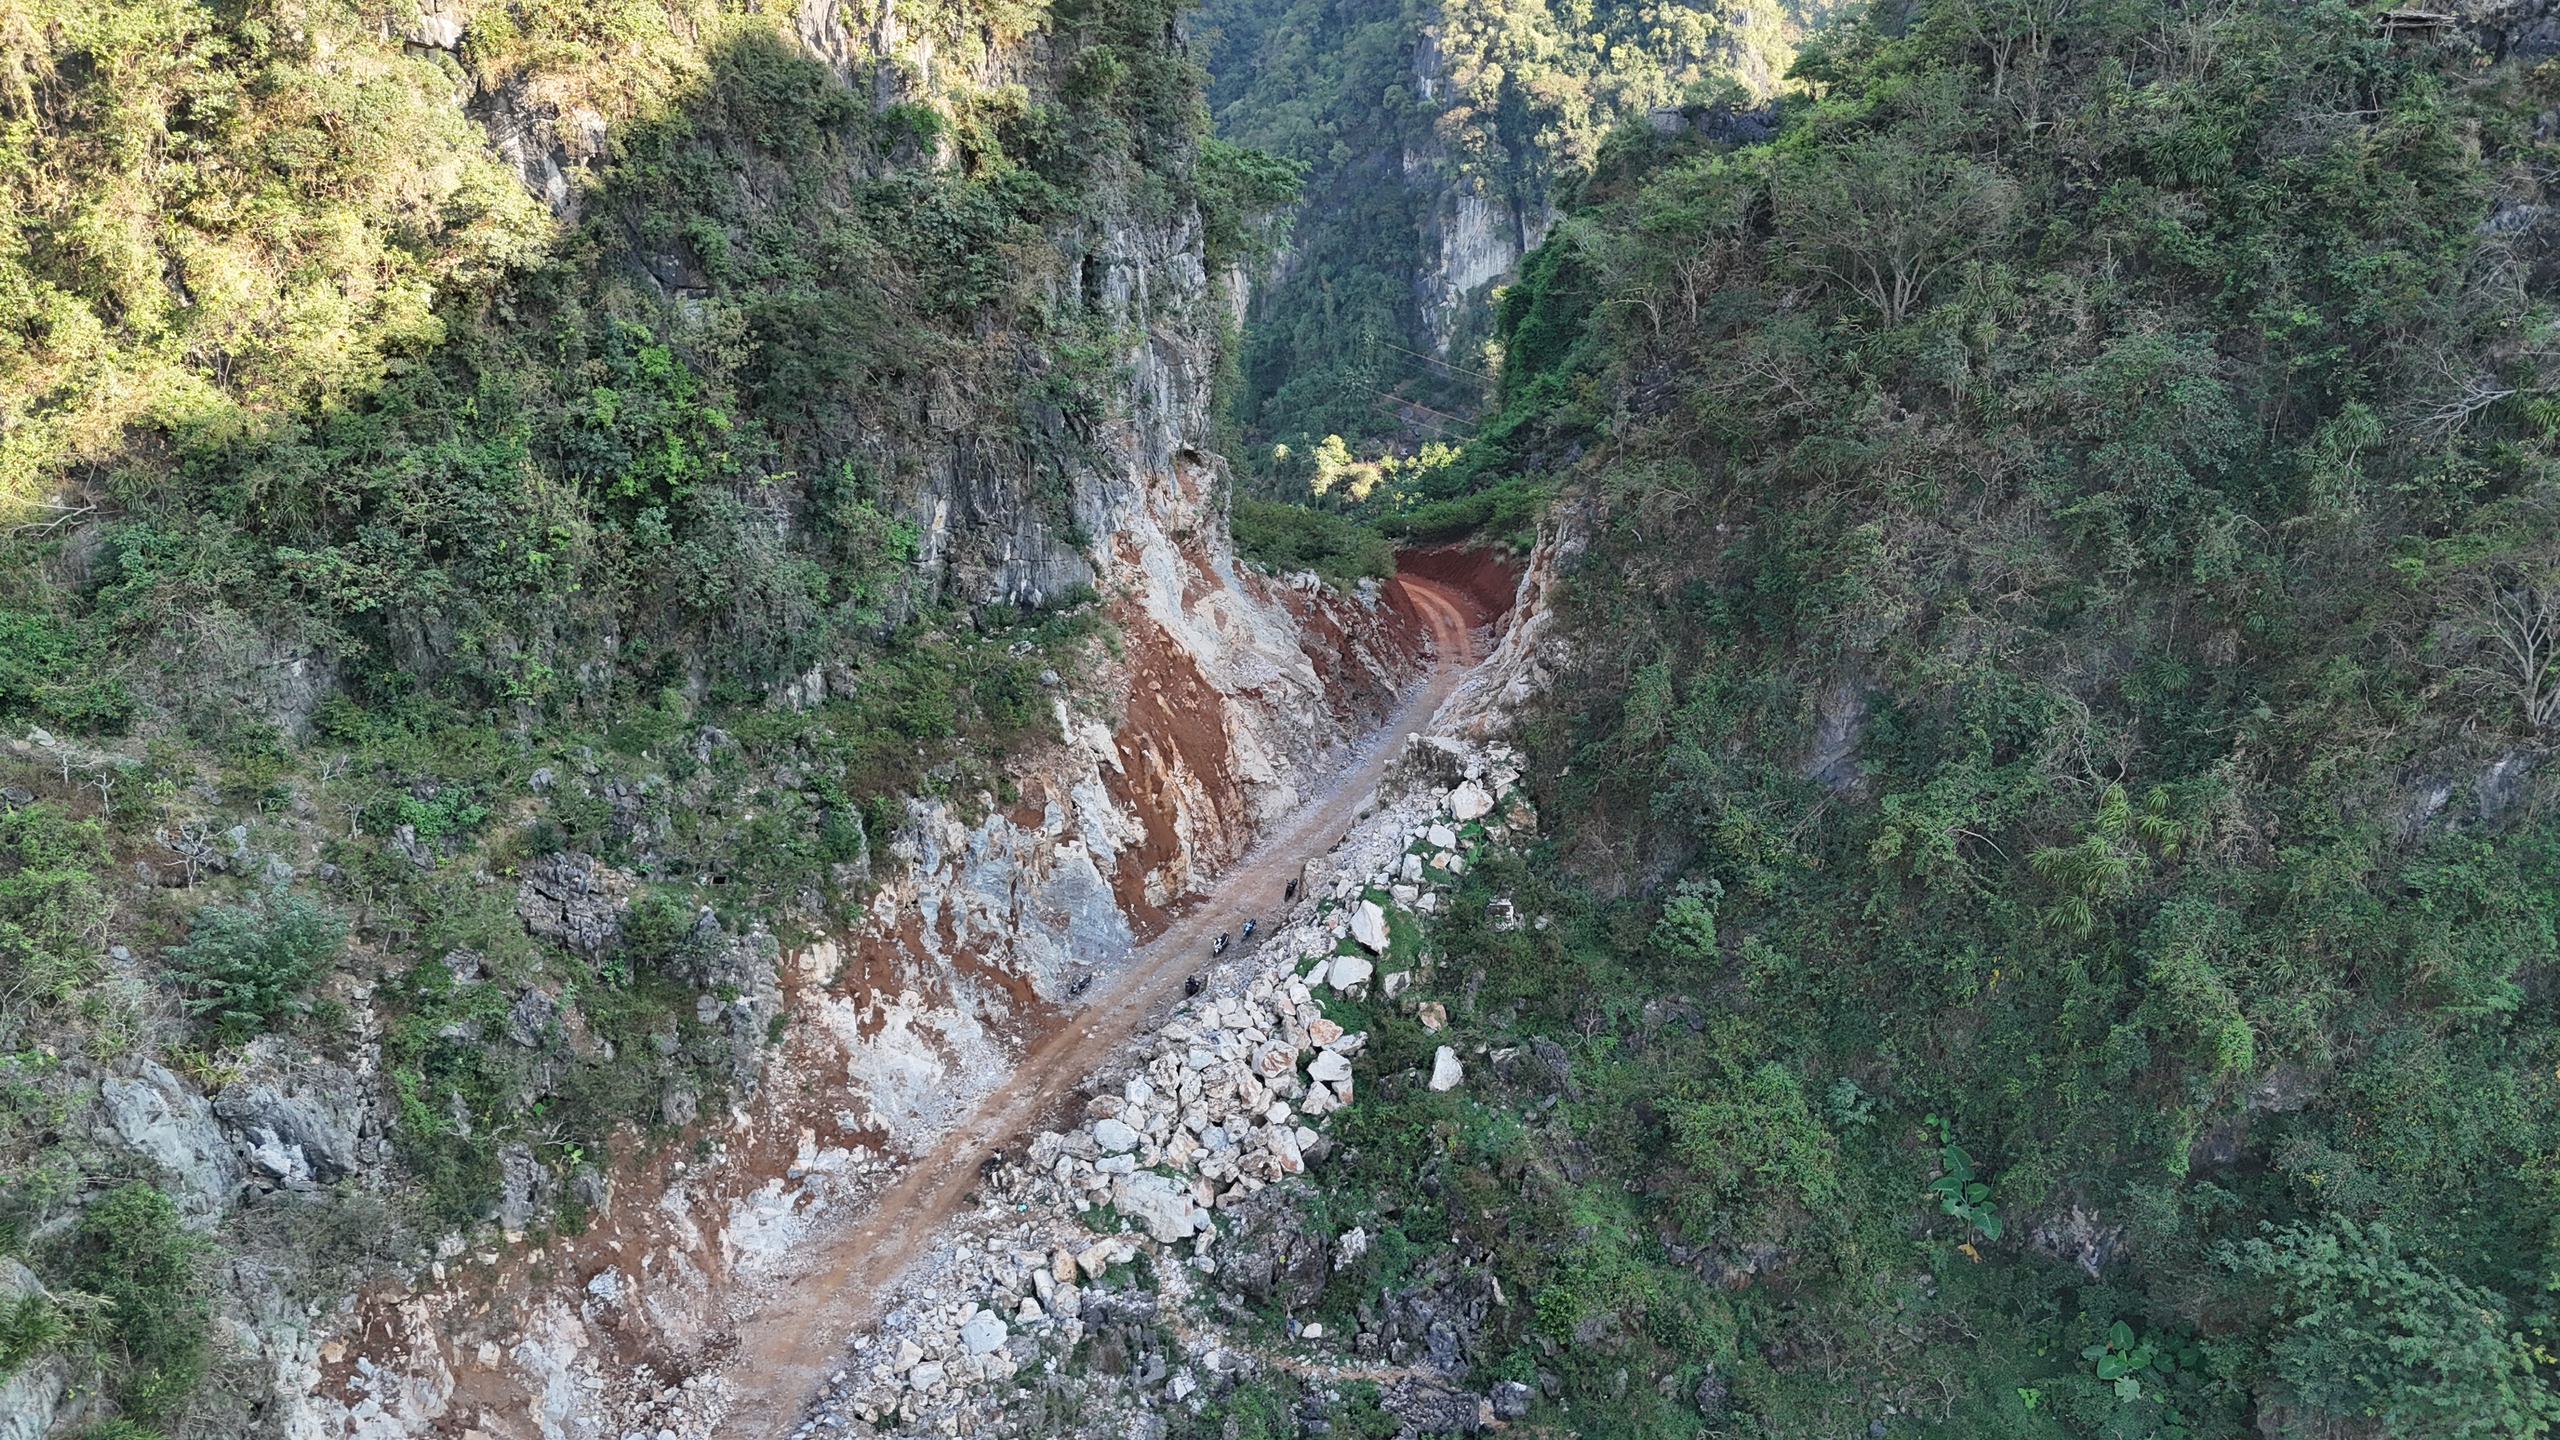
[
  {"x": 575, "y": 901},
  {"x": 38, "y": 1392},
  {"x": 1276, "y": 1254},
  {"x": 1532, "y": 652},
  {"x": 298, "y": 1130},
  {"x": 155, "y": 1115},
  {"x": 2526, "y": 30},
  {"x": 553, "y": 147}
]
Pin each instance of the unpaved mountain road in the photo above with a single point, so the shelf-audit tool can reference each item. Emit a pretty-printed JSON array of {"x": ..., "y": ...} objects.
[{"x": 788, "y": 1348}]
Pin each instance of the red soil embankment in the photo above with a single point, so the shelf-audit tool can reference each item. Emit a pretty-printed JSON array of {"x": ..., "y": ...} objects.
[{"x": 1481, "y": 580}]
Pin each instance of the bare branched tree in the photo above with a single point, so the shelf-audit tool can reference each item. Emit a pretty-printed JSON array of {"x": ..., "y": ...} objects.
[
  {"x": 2513, "y": 619},
  {"x": 2473, "y": 393},
  {"x": 1886, "y": 219}
]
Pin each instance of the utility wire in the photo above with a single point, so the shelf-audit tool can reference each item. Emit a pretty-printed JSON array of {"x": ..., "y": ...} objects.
[
  {"x": 1436, "y": 360},
  {"x": 1396, "y": 399},
  {"x": 1440, "y": 430}
]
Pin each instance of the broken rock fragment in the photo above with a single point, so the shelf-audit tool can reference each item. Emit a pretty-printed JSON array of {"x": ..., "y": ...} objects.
[
  {"x": 1167, "y": 1210},
  {"x": 1446, "y": 1072},
  {"x": 1369, "y": 927},
  {"x": 983, "y": 1333}
]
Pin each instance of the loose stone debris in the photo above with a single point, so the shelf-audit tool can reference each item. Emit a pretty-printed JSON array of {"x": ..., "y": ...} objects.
[{"x": 1109, "y": 1229}]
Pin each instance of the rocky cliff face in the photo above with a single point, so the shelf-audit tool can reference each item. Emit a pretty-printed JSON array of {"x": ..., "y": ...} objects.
[
  {"x": 1472, "y": 236},
  {"x": 1231, "y": 698}
]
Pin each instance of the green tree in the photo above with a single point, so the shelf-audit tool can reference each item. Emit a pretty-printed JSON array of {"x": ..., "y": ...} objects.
[
  {"x": 132, "y": 1251},
  {"x": 2367, "y": 1332},
  {"x": 250, "y": 965}
]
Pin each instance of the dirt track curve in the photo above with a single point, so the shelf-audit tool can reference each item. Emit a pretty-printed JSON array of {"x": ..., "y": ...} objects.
[{"x": 786, "y": 1349}]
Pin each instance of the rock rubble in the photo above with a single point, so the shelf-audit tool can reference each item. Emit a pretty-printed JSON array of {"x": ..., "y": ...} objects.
[{"x": 1095, "y": 1228}]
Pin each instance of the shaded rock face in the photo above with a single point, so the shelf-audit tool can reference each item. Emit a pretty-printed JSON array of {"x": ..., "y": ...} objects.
[
  {"x": 311, "y": 1129},
  {"x": 2508, "y": 29},
  {"x": 554, "y": 151},
  {"x": 1273, "y": 1255},
  {"x": 576, "y": 900},
  {"x": 155, "y": 1115},
  {"x": 1436, "y": 1321}
]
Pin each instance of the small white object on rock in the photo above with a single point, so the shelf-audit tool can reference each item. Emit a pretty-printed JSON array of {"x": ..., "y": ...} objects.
[
  {"x": 1446, "y": 1072},
  {"x": 1353, "y": 1244}
]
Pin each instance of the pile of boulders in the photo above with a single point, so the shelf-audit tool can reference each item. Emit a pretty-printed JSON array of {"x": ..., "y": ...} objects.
[
  {"x": 1219, "y": 1111},
  {"x": 1228, "y": 1098},
  {"x": 980, "y": 1314}
]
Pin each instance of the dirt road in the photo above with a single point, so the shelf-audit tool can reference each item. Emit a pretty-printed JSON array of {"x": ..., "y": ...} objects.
[{"x": 790, "y": 1346}]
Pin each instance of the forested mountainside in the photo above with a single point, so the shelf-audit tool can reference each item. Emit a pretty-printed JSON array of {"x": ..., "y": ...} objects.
[
  {"x": 517, "y": 520},
  {"x": 607, "y": 611},
  {"x": 1436, "y": 139},
  {"x": 2046, "y": 905}
]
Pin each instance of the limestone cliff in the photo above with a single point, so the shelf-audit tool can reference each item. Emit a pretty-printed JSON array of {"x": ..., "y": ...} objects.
[{"x": 1232, "y": 697}]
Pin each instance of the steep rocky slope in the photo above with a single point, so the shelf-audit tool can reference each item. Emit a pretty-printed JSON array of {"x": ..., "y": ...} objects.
[{"x": 661, "y": 731}]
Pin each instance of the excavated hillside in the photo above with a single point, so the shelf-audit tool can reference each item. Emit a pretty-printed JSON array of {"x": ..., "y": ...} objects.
[{"x": 528, "y": 832}]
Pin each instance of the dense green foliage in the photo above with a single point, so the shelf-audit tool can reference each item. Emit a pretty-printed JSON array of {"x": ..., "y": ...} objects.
[
  {"x": 249, "y": 965},
  {"x": 1297, "y": 537},
  {"x": 141, "y": 1271},
  {"x": 53, "y": 910},
  {"x": 1396, "y": 107},
  {"x": 419, "y": 462},
  {"x": 2051, "y": 866}
]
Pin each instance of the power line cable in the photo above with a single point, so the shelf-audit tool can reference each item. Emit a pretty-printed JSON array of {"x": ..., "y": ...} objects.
[{"x": 1436, "y": 360}]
